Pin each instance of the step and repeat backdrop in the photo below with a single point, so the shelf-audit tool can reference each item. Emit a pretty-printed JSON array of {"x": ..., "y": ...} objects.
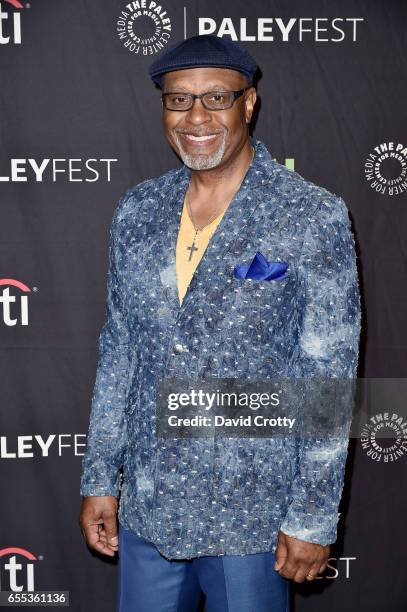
[{"x": 80, "y": 123}]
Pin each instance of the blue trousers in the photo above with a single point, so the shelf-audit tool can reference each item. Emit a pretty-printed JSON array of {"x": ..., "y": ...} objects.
[{"x": 148, "y": 582}]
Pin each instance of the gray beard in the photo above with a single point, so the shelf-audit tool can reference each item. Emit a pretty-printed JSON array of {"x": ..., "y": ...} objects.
[{"x": 201, "y": 162}]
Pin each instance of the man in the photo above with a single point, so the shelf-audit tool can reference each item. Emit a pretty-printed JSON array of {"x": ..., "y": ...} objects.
[{"x": 237, "y": 518}]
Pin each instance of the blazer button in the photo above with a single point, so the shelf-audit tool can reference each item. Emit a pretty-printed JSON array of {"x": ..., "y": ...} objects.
[{"x": 178, "y": 348}]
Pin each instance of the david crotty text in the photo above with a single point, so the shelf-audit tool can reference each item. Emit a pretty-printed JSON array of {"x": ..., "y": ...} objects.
[{"x": 221, "y": 421}]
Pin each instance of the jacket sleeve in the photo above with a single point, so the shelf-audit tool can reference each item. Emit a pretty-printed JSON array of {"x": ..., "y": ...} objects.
[
  {"x": 107, "y": 435},
  {"x": 328, "y": 347}
]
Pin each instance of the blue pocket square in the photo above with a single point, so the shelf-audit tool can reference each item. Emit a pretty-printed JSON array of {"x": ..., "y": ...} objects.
[{"x": 261, "y": 269}]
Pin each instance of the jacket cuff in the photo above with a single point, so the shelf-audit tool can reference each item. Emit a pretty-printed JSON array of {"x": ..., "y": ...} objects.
[
  {"x": 94, "y": 490},
  {"x": 91, "y": 487},
  {"x": 316, "y": 528}
]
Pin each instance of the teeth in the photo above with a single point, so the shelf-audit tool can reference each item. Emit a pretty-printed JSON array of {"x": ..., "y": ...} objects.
[{"x": 200, "y": 138}]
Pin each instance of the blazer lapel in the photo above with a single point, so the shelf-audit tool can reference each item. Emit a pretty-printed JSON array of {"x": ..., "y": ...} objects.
[
  {"x": 238, "y": 213},
  {"x": 169, "y": 222}
]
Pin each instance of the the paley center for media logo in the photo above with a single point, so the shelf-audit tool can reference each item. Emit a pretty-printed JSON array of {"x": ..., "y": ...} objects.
[
  {"x": 144, "y": 27},
  {"x": 386, "y": 168}
]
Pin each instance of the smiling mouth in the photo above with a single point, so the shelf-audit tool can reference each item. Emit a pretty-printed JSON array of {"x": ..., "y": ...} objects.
[{"x": 200, "y": 140}]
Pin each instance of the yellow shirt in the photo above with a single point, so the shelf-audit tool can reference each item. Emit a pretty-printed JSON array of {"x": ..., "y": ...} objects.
[{"x": 186, "y": 263}]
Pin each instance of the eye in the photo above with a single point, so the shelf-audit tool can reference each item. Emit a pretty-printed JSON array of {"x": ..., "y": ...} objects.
[
  {"x": 217, "y": 97},
  {"x": 177, "y": 99}
]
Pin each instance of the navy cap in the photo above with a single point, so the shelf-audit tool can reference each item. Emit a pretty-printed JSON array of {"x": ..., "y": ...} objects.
[{"x": 200, "y": 51}]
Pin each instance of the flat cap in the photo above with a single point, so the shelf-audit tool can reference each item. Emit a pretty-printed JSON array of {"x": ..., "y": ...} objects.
[{"x": 200, "y": 51}]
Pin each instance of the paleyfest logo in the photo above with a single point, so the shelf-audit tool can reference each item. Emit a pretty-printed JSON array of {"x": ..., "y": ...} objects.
[
  {"x": 144, "y": 27},
  {"x": 386, "y": 168},
  {"x": 391, "y": 430}
]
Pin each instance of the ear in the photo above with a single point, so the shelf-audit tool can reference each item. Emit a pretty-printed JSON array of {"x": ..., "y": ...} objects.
[{"x": 250, "y": 101}]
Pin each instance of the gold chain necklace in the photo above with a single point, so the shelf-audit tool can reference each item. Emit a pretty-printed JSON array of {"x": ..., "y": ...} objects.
[{"x": 193, "y": 248}]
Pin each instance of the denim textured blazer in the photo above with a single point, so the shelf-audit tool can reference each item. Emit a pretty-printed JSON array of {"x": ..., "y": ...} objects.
[{"x": 200, "y": 496}]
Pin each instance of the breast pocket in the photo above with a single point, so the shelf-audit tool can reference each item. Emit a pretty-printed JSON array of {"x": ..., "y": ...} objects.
[{"x": 258, "y": 293}]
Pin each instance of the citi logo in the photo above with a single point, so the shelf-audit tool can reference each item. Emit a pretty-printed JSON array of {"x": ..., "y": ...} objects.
[
  {"x": 15, "y": 309},
  {"x": 17, "y": 573},
  {"x": 10, "y": 25}
]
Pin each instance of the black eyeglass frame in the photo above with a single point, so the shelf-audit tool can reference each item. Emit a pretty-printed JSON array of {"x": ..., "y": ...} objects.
[{"x": 236, "y": 94}]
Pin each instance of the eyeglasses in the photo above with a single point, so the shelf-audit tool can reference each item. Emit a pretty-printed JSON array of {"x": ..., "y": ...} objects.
[{"x": 211, "y": 100}]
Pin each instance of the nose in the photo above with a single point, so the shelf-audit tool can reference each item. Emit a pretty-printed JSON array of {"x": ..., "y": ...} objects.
[{"x": 198, "y": 113}]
